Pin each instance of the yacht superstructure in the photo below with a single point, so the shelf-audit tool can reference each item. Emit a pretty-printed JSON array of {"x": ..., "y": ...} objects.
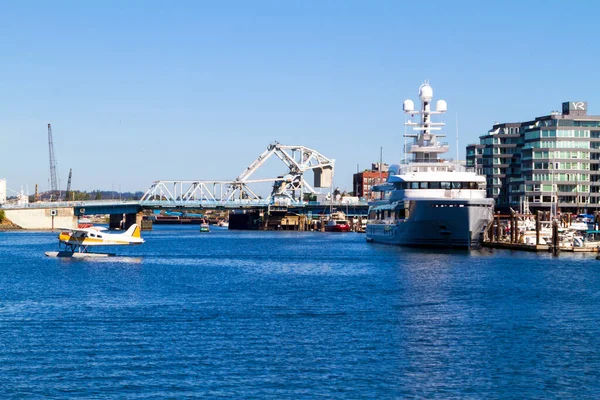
[{"x": 429, "y": 201}]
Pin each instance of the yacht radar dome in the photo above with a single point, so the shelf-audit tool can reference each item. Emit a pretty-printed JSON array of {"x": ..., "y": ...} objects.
[
  {"x": 426, "y": 92},
  {"x": 441, "y": 106},
  {"x": 408, "y": 106}
]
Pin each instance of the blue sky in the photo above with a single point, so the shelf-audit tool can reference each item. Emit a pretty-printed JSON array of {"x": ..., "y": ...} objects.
[{"x": 139, "y": 91}]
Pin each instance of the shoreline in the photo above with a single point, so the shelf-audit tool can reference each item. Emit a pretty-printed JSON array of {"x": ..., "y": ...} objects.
[{"x": 7, "y": 225}]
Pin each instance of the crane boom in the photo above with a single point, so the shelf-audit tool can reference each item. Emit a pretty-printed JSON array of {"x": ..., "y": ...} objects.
[
  {"x": 68, "y": 192},
  {"x": 53, "y": 180}
]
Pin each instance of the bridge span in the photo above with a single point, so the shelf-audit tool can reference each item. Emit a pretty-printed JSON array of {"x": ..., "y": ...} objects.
[
  {"x": 290, "y": 192},
  {"x": 48, "y": 215},
  {"x": 290, "y": 185}
]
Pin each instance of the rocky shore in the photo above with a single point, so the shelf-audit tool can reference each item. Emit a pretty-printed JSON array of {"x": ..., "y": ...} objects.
[{"x": 7, "y": 225}]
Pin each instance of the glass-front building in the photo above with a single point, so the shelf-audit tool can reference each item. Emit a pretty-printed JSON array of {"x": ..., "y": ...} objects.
[{"x": 551, "y": 161}]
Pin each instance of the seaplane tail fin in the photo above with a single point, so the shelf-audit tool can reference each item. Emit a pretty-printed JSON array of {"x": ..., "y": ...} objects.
[{"x": 134, "y": 231}]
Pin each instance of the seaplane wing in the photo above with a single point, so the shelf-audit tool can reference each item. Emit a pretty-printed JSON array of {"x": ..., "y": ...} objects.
[
  {"x": 82, "y": 231},
  {"x": 98, "y": 236}
]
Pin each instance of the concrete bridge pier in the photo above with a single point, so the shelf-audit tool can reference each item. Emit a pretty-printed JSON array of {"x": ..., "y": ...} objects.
[{"x": 124, "y": 221}]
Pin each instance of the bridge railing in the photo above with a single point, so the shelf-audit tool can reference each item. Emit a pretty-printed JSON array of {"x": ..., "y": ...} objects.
[
  {"x": 179, "y": 204},
  {"x": 243, "y": 203}
]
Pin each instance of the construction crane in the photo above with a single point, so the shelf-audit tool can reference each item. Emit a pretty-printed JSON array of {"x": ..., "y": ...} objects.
[
  {"x": 68, "y": 192},
  {"x": 53, "y": 180}
]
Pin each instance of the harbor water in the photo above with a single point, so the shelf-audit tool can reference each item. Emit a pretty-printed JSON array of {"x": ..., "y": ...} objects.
[{"x": 236, "y": 314}]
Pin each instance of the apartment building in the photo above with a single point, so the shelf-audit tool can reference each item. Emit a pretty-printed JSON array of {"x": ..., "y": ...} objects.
[{"x": 548, "y": 163}]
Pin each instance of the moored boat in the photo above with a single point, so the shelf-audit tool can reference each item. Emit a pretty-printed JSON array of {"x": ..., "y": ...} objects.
[
  {"x": 337, "y": 222},
  {"x": 84, "y": 222},
  {"x": 204, "y": 227},
  {"x": 429, "y": 201}
]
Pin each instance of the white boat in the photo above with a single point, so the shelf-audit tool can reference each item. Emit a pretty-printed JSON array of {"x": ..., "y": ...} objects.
[
  {"x": 429, "y": 201},
  {"x": 204, "y": 226},
  {"x": 587, "y": 239}
]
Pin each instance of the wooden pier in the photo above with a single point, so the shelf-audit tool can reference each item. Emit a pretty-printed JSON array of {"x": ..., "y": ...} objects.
[{"x": 509, "y": 231}]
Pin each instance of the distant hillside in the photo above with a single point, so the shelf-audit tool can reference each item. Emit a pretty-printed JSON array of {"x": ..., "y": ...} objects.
[{"x": 81, "y": 196}]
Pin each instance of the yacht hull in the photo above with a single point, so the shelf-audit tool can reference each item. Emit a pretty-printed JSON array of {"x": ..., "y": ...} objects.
[{"x": 436, "y": 223}]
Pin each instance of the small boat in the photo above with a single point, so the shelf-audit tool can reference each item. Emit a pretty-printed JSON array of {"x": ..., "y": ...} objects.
[
  {"x": 589, "y": 239},
  {"x": 84, "y": 222},
  {"x": 204, "y": 227},
  {"x": 337, "y": 222}
]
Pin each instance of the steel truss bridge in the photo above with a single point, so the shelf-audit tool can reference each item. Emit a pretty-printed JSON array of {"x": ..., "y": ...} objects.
[
  {"x": 288, "y": 189},
  {"x": 287, "y": 192}
]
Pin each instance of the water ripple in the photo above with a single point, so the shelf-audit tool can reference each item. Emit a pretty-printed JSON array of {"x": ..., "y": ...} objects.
[{"x": 294, "y": 315}]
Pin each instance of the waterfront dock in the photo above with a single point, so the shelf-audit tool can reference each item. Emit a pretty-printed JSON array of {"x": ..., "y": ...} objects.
[
  {"x": 540, "y": 232},
  {"x": 539, "y": 247}
]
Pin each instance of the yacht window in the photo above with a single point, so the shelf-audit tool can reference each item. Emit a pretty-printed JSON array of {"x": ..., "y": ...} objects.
[
  {"x": 472, "y": 185},
  {"x": 446, "y": 185},
  {"x": 434, "y": 185},
  {"x": 414, "y": 185},
  {"x": 423, "y": 185},
  {"x": 456, "y": 185}
]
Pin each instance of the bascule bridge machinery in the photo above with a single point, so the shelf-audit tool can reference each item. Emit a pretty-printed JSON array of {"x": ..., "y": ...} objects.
[{"x": 288, "y": 188}]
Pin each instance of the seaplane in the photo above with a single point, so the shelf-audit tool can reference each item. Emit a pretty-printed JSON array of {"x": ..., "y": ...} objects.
[{"x": 74, "y": 242}]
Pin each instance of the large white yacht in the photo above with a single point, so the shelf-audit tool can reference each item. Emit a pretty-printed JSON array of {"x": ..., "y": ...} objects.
[{"x": 429, "y": 201}]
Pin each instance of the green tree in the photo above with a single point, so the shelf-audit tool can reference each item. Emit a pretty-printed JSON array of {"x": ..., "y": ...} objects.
[
  {"x": 2, "y": 216},
  {"x": 98, "y": 196}
]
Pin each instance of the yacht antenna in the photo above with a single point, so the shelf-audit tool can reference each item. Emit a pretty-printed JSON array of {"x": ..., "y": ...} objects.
[
  {"x": 404, "y": 148},
  {"x": 457, "y": 162}
]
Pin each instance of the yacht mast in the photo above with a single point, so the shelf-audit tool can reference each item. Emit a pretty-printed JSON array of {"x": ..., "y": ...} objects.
[{"x": 425, "y": 147}]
